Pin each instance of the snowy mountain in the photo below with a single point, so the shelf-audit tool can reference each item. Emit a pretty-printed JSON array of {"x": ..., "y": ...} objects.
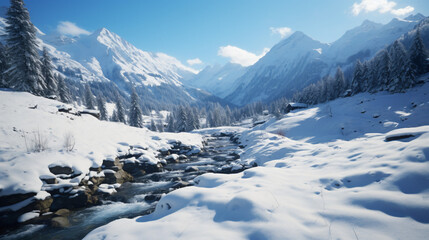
[
  {"x": 292, "y": 63},
  {"x": 109, "y": 56},
  {"x": 299, "y": 60},
  {"x": 218, "y": 80},
  {"x": 110, "y": 63}
]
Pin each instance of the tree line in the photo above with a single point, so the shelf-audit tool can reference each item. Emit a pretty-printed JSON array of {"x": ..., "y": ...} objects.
[{"x": 392, "y": 69}]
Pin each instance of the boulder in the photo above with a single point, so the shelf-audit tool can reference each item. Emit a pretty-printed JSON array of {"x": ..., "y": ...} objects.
[
  {"x": 56, "y": 169},
  {"x": 15, "y": 198},
  {"x": 153, "y": 197},
  {"x": 63, "y": 212},
  {"x": 49, "y": 179},
  {"x": 191, "y": 169},
  {"x": 111, "y": 163},
  {"x": 173, "y": 158},
  {"x": 60, "y": 222},
  {"x": 44, "y": 205},
  {"x": 78, "y": 200},
  {"x": 180, "y": 184},
  {"x": 112, "y": 177},
  {"x": 151, "y": 168}
]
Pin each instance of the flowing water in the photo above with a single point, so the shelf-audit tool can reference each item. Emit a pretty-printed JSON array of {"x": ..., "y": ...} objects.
[{"x": 136, "y": 198}]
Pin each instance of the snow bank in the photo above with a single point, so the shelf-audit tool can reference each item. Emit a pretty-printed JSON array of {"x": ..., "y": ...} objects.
[
  {"x": 21, "y": 168},
  {"x": 334, "y": 176}
]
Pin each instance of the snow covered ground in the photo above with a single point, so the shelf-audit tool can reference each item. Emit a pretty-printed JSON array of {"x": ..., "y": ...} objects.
[
  {"x": 20, "y": 126},
  {"x": 353, "y": 168}
]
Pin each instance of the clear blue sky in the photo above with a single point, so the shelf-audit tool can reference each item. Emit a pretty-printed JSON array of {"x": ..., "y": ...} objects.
[{"x": 188, "y": 29}]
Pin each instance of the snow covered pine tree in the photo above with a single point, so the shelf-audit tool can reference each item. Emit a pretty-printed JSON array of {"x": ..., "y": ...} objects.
[{"x": 24, "y": 71}]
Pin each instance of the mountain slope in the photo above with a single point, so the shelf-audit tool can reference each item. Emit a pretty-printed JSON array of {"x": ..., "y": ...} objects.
[
  {"x": 110, "y": 64},
  {"x": 297, "y": 57},
  {"x": 299, "y": 60},
  {"x": 107, "y": 55},
  {"x": 218, "y": 80}
]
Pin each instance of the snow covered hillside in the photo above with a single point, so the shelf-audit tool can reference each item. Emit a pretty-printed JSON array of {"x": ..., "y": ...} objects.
[
  {"x": 299, "y": 60},
  {"x": 38, "y": 142},
  {"x": 352, "y": 168}
]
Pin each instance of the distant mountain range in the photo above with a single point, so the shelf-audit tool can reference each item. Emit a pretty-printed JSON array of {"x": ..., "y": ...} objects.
[
  {"x": 300, "y": 60},
  {"x": 107, "y": 61}
]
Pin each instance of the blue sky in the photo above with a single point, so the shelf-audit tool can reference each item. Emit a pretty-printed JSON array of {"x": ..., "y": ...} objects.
[{"x": 214, "y": 31}]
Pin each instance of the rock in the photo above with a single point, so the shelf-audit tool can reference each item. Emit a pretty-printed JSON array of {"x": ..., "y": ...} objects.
[
  {"x": 181, "y": 184},
  {"x": 63, "y": 212},
  {"x": 234, "y": 155},
  {"x": 60, "y": 222},
  {"x": 183, "y": 157},
  {"x": 49, "y": 179},
  {"x": 80, "y": 199},
  {"x": 131, "y": 167},
  {"x": 15, "y": 198},
  {"x": 112, "y": 164},
  {"x": 176, "y": 179},
  {"x": 191, "y": 169},
  {"x": 95, "y": 169},
  {"x": 56, "y": 169},
  {"x": 112, "y": 177},
  {"x": 174, "y": 151},
  {"x": 44, "y": 205},
  {"x": 173, "y": 158},
  {"x": 153, "y": 197},
  {"x": 164, "y": 151},
  {"x": 96, "y": 180},
  {"x": 151, "y": 168},
  {"x": 220, "y": 158}
]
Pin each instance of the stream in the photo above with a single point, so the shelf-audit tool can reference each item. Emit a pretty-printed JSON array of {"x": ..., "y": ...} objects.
[{"x": 139, "y": 197}]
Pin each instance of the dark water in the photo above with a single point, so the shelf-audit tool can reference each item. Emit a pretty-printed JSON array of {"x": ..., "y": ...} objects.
[{"x": 129, "y": 201}]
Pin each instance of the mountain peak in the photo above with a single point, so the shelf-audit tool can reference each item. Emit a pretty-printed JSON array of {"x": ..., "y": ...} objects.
[
  {"x": 367, "y": 22},
  {"x": 415, "y": 17},
  {"x": 101, "y": 32}
]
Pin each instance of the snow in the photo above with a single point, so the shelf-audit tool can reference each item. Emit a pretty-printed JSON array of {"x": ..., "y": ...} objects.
[
  {"x": 331, "y": 176},
  {"x": 21, "y": 169},
  {"x": 28, "y": 216}
]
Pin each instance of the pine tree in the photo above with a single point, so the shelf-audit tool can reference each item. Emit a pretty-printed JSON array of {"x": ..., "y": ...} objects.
[
  {"x": 136, "y": 115},
  {"x": 358, "y": 76},
  {"x": 101, "y": 104},
  {"x": 196, "y": 119},
  {"x": 4, "y": 65},
  {"x": 170, "y": 123},
  {"x": 418, "y": 54},
  {"x": 382, "y": 62},
  {"x": 190, "y": 120},
  {"x": 114, "y": 117},
  {"x": 181, "y": 121},
  {"x": 339, "y": 83},
  {"x": 120, "y": 111},
  {"x": 89, "y": 98},
  {"x": 366, "y": 71},
  {"x": 25, "y": 67},
  {"x": 160, "y": 126},
  {"x": 400, "y": 69},
  {"x": 47, "y": 73},
  {"x": 153, "y": 127},
  {"x": 63, "y": 90}
]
